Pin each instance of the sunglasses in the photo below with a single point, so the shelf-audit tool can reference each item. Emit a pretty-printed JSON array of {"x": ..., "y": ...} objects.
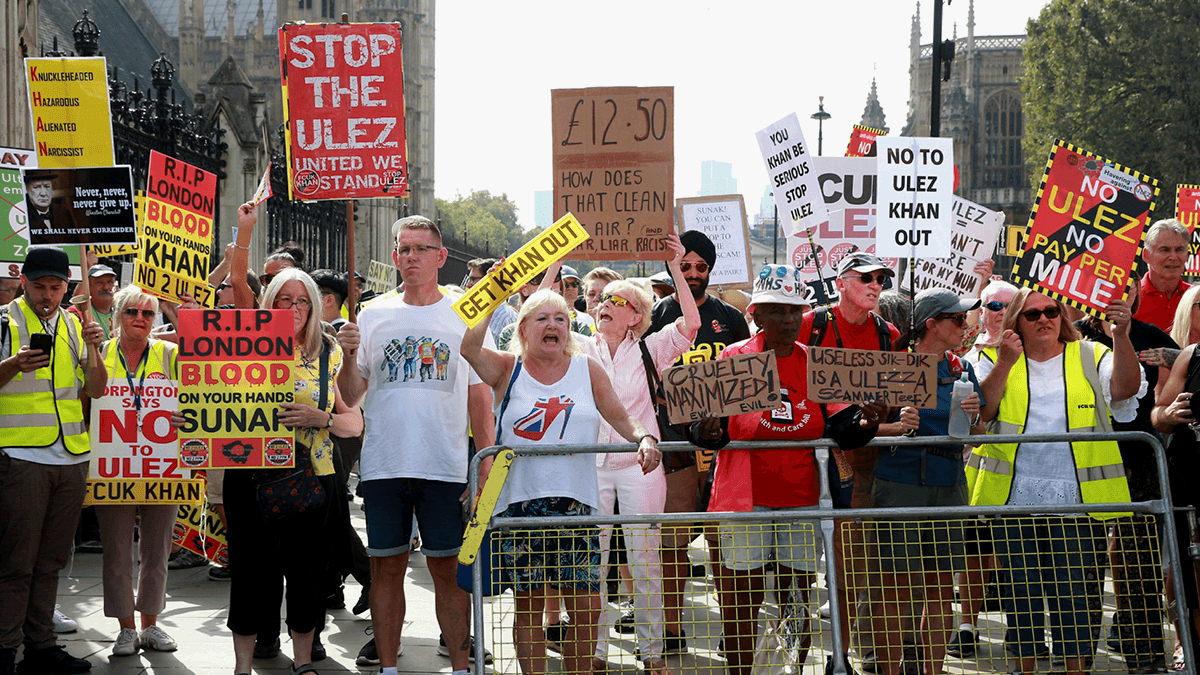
[
  {"x": 700, "y": 267},
  {"x": 959, "y": 320},
  {"x": 1035, "y": 314},
  {"x": 223, "y": 286},
  {"x": 995, "y": 305},
  {"x": 570, "y": 284},
  {"x": 147, "y": 314},
  {"x": 867, "y": 277},
  {"x": 616, "y": 299},
  {"x": 265, "y": 279}
]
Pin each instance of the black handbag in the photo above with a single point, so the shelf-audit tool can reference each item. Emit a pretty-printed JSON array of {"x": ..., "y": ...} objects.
[
  {"x": 672, "y": 461},
  {"x": 300, "y": 490}
]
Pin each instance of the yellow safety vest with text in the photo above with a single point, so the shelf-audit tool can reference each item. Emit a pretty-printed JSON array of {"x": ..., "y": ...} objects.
[
  {"x": 161, "y": 360},
  {"x": 1098, "y": 467},
  {"x": 36, "y": 408}
]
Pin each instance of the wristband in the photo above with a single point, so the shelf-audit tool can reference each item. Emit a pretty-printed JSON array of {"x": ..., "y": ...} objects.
[{"x": 244, "y": 248}]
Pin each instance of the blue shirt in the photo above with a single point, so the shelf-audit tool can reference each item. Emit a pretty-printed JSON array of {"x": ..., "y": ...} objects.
[{"x": 903, "y": 465}]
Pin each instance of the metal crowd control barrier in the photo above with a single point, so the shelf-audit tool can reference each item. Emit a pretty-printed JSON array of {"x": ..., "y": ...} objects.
[{"x": 1160, "y": 508}]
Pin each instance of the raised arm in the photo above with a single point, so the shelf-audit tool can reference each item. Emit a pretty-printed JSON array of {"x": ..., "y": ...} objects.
[
  {"x": 691, "y": 313},
  {"x": 490, "y": 365},
  {"x": 243, "y": 297},
  {"x": 613, "y": 412},
  {"x": 1126, "y": 377}
]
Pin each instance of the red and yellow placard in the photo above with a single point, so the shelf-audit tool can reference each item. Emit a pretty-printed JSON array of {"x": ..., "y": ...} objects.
[
  {"x": 1086, "y": 229},
  {"x": 235, "y": 369},
  {"x": 862, "y": 141},
  {"x": 199, "y": 529},
  {"x": 177, "y": 230}
]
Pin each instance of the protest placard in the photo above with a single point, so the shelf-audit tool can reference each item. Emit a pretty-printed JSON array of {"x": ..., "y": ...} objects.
[
  {"x": 68, "y": 104},
  {"x": 739, "y": 384},
  {"x": 793, "y": 181},
  {"x": 110, "y": 250},
  {"x": 80, "y": 206},
  {"x": 343, "y": 108},
  {"x": 519, "y": 268},
  {"x": 614, "y": 168},
  {"x": 862, "y": 141},
  {"x": 134, "y": 455},
  {"x": 177, "y": 231},
  {"x": 235, "y": 369},
  {"x": 723, "y": 219},
  {"x": 14, "y": 222},
  {"x": 861, "y": 375},
  {"x": 263, "y": 192},
  {"x": 381, "y": 277},
  {"x": 1015, "y": 238},
  {"x": 199, "y": 529},
  {"x": 916, "y": 191},
  {"x": 972, "y": 240},
  {"x": 1086, "y": 229},
  {"x": 1187, "y": 211}
]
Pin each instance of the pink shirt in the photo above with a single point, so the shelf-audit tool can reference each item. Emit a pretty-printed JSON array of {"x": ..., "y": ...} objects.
[{"x": 627, "y": 372}]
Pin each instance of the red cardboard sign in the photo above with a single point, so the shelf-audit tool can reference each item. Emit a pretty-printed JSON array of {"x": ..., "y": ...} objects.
[
  {"x": 343, "y": 95},
  {"x": 862, "y": 141},
  {"x": 1086, "y": 229}
]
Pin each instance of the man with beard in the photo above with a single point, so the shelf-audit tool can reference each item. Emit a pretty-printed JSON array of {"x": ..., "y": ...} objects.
[
  {"x": 721, "y": 325},
  {"x": 102, "y": 285}
]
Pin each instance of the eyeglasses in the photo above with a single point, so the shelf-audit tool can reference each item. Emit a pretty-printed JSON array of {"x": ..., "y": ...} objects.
[
  {"x": 570, "y": 284},
  {"x": 995, "y": 305},
  {"x": 867, "y": 277},
  {"x": 959, "y": 320},
  {"x": 415, "y": 250},
  {"x": 223, "y": 286},
  {"x": 288, "y": 303},
  {"x": 1035, "y": 314},
  {"x": 700, "y": 267},
  {"x": 616, "y": 299},
  {"x": 147, "y": 314}
]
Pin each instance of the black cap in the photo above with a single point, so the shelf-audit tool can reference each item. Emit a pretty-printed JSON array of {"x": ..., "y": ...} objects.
[
  {"x": 101, "y": 271},
  {"x": 44, "y": 261}
]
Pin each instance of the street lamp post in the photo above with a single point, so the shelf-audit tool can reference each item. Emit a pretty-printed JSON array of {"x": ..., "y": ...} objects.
[{"x": 820, "y": 116}]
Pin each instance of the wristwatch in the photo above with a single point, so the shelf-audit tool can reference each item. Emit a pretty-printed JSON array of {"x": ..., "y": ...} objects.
[{"x": 330, "y": 422}]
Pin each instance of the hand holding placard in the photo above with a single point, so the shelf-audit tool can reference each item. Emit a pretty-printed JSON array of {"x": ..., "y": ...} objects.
[{"x": 730, "y": 386}]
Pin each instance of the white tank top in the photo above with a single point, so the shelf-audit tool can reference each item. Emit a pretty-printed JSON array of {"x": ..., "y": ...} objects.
[{"x": 551, "y": 414}]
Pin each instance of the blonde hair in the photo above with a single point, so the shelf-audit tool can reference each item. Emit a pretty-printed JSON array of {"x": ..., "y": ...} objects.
[
  {"x": 1181, "y": 329},
  {"x": 1066, "y": 331},
  {"x": 532, "y": 305},
  {"x": 638, "y": 298},
  {"x": 130, "y": 296},
  {"x": 313, "y": 332}
]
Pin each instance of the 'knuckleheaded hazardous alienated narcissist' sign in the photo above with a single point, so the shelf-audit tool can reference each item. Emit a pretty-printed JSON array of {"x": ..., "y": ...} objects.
[
  {"x": 1086, "y": 229},
  {"x": 739, "y": 384},
  {"x": 614, "y": 168},
  {"x": 916, "y": 193},
  {"x": 343, "y": 106},
  {"x": 235, "y": 369},
  {"x": 177, "y": 230},
  {"x": 68, "y": 103},
  {"x": 861, "y": 375},
  {"x": 792, "y": 174}
]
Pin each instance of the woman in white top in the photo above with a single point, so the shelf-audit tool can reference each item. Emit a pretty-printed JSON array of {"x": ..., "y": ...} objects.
[{"x": 552, "y": 395}]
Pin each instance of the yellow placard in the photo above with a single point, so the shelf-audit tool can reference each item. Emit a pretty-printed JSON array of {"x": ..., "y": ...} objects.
[
  {"x": 1014, "y": 240},
  {"x": 519, "y": 268},
  {"x": 68, "y": 104},
  {"x": 144, "y": 491},
  {"x": 139, "y": 212},
  {"x": 199, "y": 529}
]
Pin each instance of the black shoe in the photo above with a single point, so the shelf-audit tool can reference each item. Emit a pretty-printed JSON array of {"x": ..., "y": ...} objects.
[
  {"x": 699, "y": 571},
  {"x": 1144, "y": 664},
  {"x": 443, "y": 650},
  {"x": 870, "y": 664},
  {"x": 991, "y": 599},
  {"x": 849, "y": 668},
  {"x": 963, "y": 644},
  {"x": 318, "y": 649},
  {"x": 364, "y": 601},
  {"x": 51, "y": 660},
  {"x": 368, "y": 655},
  {"x": 625, "y": 623},
  {"x": 336, "y": 599},
  {"x": 263, "y": 650},
  {"x": 218, "y": 573},
  {"x": 8, "y": 662},
  {"x": 184, "y": 559},
  {"x": 1114, "y": 639},
  {"x": 674, "y": 644}
]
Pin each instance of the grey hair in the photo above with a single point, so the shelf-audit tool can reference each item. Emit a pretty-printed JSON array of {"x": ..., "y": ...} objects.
[
  {"x": 130, "y": 296},
  {"x": 312, "y": 333},
  {"x": 1168, "y": 224}
]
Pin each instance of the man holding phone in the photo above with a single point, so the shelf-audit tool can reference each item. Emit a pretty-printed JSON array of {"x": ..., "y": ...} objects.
[{"x": 49, "y": 361}]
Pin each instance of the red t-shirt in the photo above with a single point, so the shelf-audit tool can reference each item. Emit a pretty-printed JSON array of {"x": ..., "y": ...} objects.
[
  {"x": 777, "y": 478},
  {"x": 1158, "y": 308},
  {"x": 863, "y": 336}
]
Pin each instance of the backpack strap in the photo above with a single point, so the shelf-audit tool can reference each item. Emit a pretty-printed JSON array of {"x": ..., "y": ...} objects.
[
  {"x": 508, "y": 393},
  {"x": 885, "y": 335}
]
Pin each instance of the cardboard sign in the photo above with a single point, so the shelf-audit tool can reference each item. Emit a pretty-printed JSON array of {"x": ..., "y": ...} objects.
[
  {"x": 916, "y": 193},
  {"x": 80, "y": 206},
  {"x": 343, "y": 108},
  {"x": 862, "y": 141},
  {"x": 199, "y": 529},
  {"x": 723, "y": 220},
  {"x": 614, "y": 168},
  {"x": 861, "y": 376},
  {"x": 739, "y": 384},
  {"x": 135, "y": 454},
  {"x": 519, "y": 268},
  {"x": 381, "y": 277},
  {"x": 1015, "y": 238},
  {"x": 235, "y": 369},
  {"x": 68, "y": 104},
  {"x": 793, "y": 181},
  {"x": 848, "y": 186},
  {"x": 972, "y": 240},
  {"x": 177, "y": 231},
  {"x": 1086, "y": 229}
]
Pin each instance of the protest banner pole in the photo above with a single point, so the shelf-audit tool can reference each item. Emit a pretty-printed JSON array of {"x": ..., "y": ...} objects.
[
  {"x": 83, "y": 300},
  {"x": 350, "y": 252}
]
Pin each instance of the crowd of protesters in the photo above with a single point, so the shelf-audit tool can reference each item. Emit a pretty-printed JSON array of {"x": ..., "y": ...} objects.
[{"x": 405, "y": 392}]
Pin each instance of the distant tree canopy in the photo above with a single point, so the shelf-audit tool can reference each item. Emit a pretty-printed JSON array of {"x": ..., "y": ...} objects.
[
  {"x": 1120, "y": 78},
  {"x": 489, "y": 221}
]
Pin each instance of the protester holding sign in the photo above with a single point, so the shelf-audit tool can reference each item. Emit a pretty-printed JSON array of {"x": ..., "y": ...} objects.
[
  {"x": 772, "y": 479},
  {"x": 132, "y": 357},
  {"x": 1043, "y": 379},
  {"x": 921, "y": 554}
]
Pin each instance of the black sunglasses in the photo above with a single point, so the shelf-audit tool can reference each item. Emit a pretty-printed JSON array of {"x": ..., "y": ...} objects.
[
  {"x": 1035, "y": 314},
  {"x": 995, "y": 305},
  {"x": 147, "y": 314},
  {"x": 959, "y": 320},
  {"x": 867, "y": 277}
]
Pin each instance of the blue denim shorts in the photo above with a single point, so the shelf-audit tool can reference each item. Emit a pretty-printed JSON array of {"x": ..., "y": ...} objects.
[{"x": 389, "y": 505}]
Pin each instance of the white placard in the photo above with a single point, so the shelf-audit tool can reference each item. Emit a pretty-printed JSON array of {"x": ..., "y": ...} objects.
[
  {"x": 793, "y": 177},
  {"x": 130, "y": 443},
  {"x": 723, "y": 220},
  {"x": 972, "y": 240},
  {"x": 916, "y": 193}
]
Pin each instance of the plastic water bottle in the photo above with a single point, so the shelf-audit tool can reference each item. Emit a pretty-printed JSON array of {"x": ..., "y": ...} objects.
[{"x": 960, "y": 426}]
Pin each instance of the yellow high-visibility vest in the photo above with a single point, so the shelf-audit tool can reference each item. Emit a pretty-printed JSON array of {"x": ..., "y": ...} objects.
[{"x": 1098, "y": 467}]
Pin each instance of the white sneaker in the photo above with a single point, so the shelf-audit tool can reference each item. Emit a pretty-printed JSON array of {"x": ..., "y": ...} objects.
[
  {"x": 823, "y": 611},
  {"x": 127, "y": 643},
  {"x": 64, "y": 623},
  {"x": 157, "y": 639}
]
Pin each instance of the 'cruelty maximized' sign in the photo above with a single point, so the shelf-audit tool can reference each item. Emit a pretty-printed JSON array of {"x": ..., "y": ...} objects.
[{"x": 731, "y": 386}]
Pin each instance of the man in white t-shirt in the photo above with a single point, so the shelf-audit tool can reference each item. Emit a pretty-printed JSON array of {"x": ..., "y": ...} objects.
[{"x": 414, "y": 456}]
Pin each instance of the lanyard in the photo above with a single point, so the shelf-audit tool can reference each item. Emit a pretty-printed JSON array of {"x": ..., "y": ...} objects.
[{"x": 137, "y": 391}]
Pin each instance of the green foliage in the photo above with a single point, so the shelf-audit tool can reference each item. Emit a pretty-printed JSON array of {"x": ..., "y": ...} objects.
[
  {"x": 488, "y": 221},
  {"x": 1119, "y": 78}
]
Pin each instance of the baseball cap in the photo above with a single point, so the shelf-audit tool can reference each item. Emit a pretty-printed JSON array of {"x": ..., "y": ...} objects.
[
  {"x": 861, "y": 261},
  {"x": 931, "y": 302},
  {"x": 781, "y": 284},
  {"x": 569, "y": 273},
  {"x": 100, "y": 271},
  {"x": 44, "y": 261}
]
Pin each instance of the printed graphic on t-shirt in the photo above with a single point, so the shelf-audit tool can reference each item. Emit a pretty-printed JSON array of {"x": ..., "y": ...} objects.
[
  {"x": 784, "y": 412},
  {"x": 423, "y": 359},
  {"x": 540, "y": 420}
]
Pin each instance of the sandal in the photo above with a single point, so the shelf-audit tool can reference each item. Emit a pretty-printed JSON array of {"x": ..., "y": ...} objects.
[{"x": 306, "y": 668}]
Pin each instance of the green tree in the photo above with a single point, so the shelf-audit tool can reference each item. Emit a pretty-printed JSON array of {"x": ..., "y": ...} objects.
[
  {"x": 1119, "y": 78},
  {"x": 489, "y": 221}
]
